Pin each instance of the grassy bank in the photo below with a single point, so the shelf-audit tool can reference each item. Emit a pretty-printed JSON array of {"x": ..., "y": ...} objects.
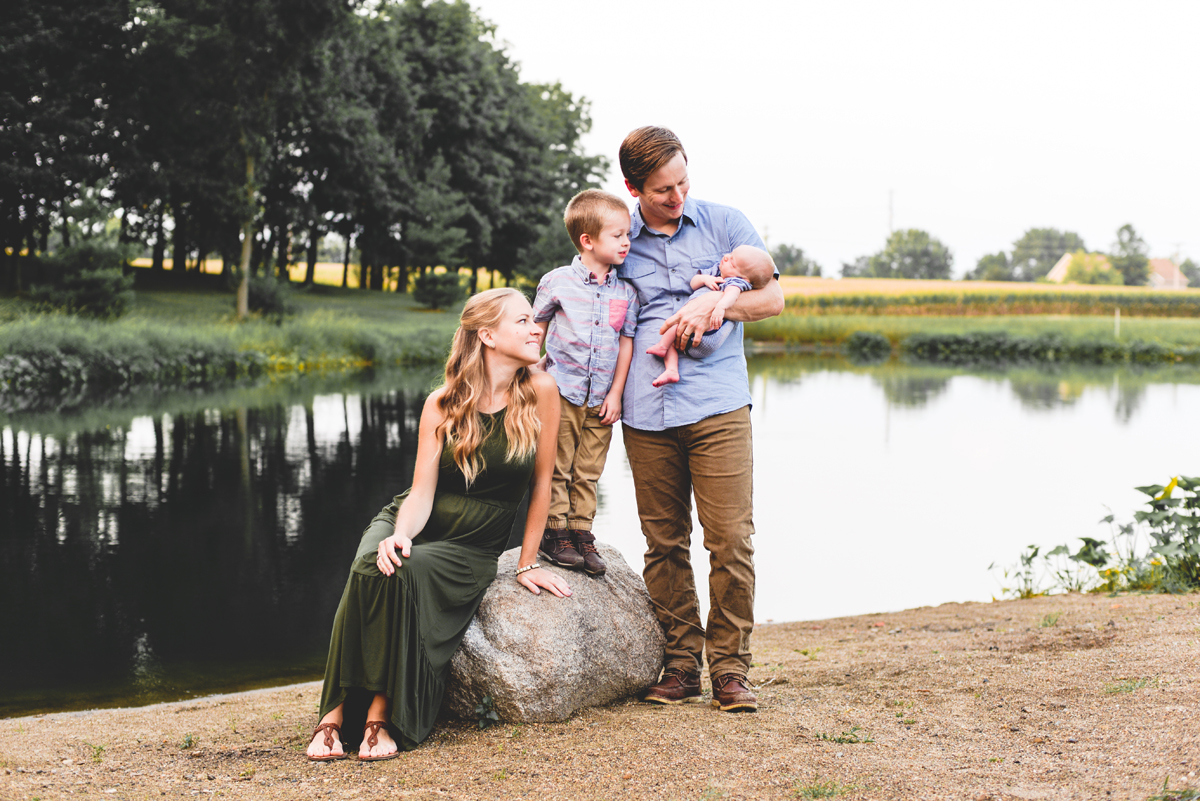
[
  {"x": 186, "y": 339},
  {"x": 836, "y": 329}
]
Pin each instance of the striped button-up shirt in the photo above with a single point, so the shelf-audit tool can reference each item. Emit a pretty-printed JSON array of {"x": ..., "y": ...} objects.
[
  {"x": 661, "y": 268},
  {"x": 587, "y": 320}
]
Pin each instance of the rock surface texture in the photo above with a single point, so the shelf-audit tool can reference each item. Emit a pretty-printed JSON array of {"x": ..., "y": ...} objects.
[{"x": 541, "y": 658}]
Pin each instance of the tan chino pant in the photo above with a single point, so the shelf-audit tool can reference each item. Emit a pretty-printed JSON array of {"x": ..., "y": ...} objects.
[
  {"x": 714, "y": 460},
  {"x": 582, "y": 450}
]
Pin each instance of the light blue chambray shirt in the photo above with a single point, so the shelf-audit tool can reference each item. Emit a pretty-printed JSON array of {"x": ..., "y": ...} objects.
[{"x": 661, "y": 267}]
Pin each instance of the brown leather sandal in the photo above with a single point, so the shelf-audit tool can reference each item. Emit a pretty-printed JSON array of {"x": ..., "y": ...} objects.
[
  {"x": 328, "y": 728},
  {"x": 373, "y": 726}
]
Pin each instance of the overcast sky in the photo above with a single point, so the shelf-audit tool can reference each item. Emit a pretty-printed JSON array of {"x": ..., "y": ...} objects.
[{"x": 982, "y": 119}]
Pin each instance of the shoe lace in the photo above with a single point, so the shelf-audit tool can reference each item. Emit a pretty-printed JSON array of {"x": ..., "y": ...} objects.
[
  {"x": 588, "y": 547},
  {"x": 722, "y": 681}
]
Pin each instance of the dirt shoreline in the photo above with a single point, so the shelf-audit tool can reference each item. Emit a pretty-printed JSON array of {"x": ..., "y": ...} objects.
[{"x": 1066, "y": 697}]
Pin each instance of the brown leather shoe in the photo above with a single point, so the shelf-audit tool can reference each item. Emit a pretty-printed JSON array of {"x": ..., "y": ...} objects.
[
  {"x": 731, "y": 693},
  {"x": 585, "y": 543},
  {"x": 677, "y": 687},
  {"x": 556, "y": 548}
]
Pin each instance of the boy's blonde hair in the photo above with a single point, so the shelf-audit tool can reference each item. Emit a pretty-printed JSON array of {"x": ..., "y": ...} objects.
[{"x": 586, "y": 212}]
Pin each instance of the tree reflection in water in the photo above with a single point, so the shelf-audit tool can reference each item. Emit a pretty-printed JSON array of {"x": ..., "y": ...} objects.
[{"x": 184, "y": 553}]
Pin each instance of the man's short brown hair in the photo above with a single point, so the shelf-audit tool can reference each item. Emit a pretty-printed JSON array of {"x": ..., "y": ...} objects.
[
  {"x": 586, "y": 212},
  {"x": 645, "y": 150}
]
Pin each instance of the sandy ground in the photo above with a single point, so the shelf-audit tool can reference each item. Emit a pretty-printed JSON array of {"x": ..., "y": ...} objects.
[{"x": 1053, "y": 698}]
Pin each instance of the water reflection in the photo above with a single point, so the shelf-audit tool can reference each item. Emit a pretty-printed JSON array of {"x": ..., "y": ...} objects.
[
  {"x": 159, "y": 549},
  {"x": 1038, "y": 389},
  {"x": 188, "y": 544}
]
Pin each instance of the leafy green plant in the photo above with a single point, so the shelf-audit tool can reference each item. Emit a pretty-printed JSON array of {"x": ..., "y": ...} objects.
[
  {"x": 1158, "y": 551},
  {"x": 868, "y": 347},
  {"x": 97, "y": 752},
  {"x": 1130, "y": 685},
  {"x": 821, "y": 789},
  {"x": 1049, "y": 619},
  {"x": 1182, "y": 794},
  {"x": 189, "y": 741},
  {"x": 438, "y": 290},
  {"x": 271, "y": 298},
  {"x": 485, "y": 713},
  {"x": 851, "y": 737},
  {"x": 87, "y": 280}
]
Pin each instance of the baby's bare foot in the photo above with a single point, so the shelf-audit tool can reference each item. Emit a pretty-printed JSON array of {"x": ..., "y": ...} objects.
[
  {"x": 667, "y": 377},
  {"x": 658, "y": 349}
]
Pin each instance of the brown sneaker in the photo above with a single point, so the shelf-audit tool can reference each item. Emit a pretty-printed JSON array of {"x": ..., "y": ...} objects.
[
  {"x": 585, "y": 543},
  {"x": 677, "y": 687},
  {"x": 731, "y": 693},
  {"x": 556, "y": 548}
]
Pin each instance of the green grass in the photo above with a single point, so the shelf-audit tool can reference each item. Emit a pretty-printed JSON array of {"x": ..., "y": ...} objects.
[
  {"x": 186, "y": 338},
  {"x": 835, "y": 329},
  {"x": 1129, "y": 685},
  {"x": 818, "y": 788}
]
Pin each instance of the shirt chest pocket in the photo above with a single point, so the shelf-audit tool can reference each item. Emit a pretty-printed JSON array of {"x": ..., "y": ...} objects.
[
  {"x": 635, "y": 267},
  {"x": 617, "y": 309},
  {"x": 706, "y": 262}
]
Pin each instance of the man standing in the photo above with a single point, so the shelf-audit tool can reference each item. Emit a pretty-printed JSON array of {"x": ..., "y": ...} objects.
[{"x": 693, "y": 435}]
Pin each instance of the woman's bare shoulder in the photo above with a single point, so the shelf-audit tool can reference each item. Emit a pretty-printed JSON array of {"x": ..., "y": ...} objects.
[
  {"x": 543, "y": 382},
  {"x": 431, "y": 403}
]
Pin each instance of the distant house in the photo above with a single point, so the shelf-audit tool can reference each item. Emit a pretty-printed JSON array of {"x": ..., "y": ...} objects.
[{"x": 1164, "y": 273}]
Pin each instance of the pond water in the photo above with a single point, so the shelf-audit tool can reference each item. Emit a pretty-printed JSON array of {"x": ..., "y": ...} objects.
[{"x": 184, "y": 545}]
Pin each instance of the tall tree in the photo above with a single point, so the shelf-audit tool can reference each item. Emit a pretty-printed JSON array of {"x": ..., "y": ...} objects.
[
  {"x": 992, "y": 267},
  {"x": 912, "y": 253},
  {"x": 790, "y": 260},
  {"x": 246, "y": 58},
  {"x": 61, "y": 62},
  {"x": 1038, "y": 249},
  {"x": 1129, "y": 256},
  {"x": 533, "y": 240}
]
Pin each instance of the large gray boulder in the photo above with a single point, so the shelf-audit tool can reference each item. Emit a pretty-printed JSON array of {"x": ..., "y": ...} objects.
[{"x": 541, "y": 657}]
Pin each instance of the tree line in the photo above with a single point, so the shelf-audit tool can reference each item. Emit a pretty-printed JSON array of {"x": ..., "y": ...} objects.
[
  {"x": 913, "y": 253},
  {"x": 249, "y": 129}
]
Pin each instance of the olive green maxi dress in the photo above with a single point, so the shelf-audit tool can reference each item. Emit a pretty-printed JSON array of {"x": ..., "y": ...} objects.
[{"x": 395, "y": 634}]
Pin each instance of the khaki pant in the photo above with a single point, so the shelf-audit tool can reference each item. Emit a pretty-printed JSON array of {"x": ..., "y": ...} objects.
[
  {"x": 714, "y": 459},
  {"x": 582, "y": 449}
]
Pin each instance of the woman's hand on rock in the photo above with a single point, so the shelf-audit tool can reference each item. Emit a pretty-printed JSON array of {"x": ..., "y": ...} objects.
[
  {"x": 537, "y": 578},
  {"x": 386, "y": 559}
]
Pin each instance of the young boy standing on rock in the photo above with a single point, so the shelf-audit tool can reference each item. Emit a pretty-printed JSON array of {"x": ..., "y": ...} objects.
[{"x": 588, "y": 317}]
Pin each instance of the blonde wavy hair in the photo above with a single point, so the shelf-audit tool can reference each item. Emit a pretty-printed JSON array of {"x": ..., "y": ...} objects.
[{"x": 467, "y": 383}]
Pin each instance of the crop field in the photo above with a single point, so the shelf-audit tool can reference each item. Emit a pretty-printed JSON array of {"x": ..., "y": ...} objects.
[{"x": 815, "y": 296}]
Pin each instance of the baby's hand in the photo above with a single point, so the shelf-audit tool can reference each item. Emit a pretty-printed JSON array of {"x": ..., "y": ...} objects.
[
  {"x": 713, "y": 282},
  {"x": 718, "y": 317}
]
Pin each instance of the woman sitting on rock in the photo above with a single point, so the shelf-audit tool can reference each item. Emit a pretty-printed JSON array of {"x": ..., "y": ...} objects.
[{"x": 426, "y": 560}]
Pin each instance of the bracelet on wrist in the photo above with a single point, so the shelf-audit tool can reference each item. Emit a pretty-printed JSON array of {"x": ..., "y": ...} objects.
[{"x": 521, "y": 570}]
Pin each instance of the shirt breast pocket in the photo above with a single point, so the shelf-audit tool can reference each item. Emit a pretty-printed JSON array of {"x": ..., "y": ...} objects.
[
  {"x": 617, "y": 309},
  {"x": 635, "y": 268},
  {"x": 701, "y": 263}
]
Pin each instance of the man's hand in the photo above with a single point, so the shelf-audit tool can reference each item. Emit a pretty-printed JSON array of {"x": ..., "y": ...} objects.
[
  {"x": 692, "y": 320},
  {"x": 610, "y": 410}
]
